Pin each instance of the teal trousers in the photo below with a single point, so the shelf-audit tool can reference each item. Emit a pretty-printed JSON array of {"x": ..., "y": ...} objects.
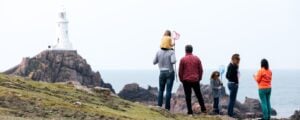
[{"x": 264, "y": 95}]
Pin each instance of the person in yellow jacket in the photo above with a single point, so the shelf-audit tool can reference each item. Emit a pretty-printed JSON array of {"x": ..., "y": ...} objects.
[
  {"x": 166, "y": 41},
  {"x": 264, "y": 79}
]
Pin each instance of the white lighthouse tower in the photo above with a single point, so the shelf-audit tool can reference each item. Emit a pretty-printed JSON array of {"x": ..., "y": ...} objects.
[{"x": 62, "y": 40}]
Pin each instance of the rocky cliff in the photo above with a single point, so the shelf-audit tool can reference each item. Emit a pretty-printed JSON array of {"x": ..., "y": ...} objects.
[
  {"x": 59, "y": 66},
  {"x": 249, "y": 109}
]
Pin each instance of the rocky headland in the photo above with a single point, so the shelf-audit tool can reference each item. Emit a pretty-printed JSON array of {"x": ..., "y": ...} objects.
[{"x": 59, "y": 66}]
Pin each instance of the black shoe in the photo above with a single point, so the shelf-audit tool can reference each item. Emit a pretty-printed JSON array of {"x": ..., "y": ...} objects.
[
  {"x": 233, "y": 116},
  {"x": 216, "y": 111},
  {"x": 263, "y": 119},
  {"x": 221, "y": 113},
  {"x": 203, "y": 110},
  {"x": 190, "y": 113}
]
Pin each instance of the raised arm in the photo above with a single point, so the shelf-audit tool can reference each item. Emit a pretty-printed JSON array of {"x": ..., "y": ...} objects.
[
  {"x": 258, "y": 76},
  {"x": 171, "y": 42}
]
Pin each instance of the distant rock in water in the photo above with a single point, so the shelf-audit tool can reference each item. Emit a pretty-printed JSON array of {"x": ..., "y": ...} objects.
[
  {"x": 133, "y": 92},
  {"x": 296, "y": 115},
  {"x": 59, "y": 66},
  {"x": 249, "y": 109}
]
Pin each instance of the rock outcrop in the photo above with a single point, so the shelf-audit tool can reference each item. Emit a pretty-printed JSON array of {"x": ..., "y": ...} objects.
[
  {"x": 59, "y": 66},
  {"x": 253, "y": 106},
  {"x": 133, "y": 92},
  {"x": 296, "y": 115},
  {"x": 249, "y": 109}
]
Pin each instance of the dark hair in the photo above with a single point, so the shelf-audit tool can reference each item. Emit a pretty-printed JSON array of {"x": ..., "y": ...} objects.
[
  {"x": 188, "y": 48},
  {"x": 265, "y": 63},
  {"x": 213, "y": 74},
  {"x": 235, "y": 57},
  {"x": 167, "y": 33}
]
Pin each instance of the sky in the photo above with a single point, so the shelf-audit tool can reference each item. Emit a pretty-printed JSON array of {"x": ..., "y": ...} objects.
[{"x": 125, "y": 34}]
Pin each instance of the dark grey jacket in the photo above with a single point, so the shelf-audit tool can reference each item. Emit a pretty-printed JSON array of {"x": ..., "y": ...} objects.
[{"x": 216, "y": 86}]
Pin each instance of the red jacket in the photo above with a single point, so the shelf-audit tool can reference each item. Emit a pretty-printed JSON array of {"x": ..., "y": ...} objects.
[{"x": 190, "y": 68}]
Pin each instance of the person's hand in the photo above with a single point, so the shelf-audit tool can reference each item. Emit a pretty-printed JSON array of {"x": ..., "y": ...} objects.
[{"x": 220, "y": 87}]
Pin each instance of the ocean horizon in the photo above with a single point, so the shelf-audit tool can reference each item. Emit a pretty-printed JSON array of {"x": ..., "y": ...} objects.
[{"x": 285, "y": 97}]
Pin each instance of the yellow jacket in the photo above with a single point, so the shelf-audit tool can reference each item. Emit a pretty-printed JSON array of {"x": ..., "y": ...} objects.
[{"x": 166, "y": 42}]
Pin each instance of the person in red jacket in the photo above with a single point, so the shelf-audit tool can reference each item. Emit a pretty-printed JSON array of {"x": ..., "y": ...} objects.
[{"x": 190, "y": 74}]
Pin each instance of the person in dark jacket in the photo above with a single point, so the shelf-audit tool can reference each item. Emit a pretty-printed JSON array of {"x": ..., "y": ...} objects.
[
  {"x": 190, "y": 74},
  {"x": 216, "y": 87},
  {"x": 233, "y": 82}
]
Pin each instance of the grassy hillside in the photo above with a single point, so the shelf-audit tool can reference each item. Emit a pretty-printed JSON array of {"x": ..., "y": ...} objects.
[{"x": 23, "y": 99}]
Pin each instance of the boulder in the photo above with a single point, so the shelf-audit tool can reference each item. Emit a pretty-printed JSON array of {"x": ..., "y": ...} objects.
[
  {"x": 59, "y": 66},
  {"x": 296, "y": 115},
  {"x": 133, "y": 92},
  {"x": 103, "y": 91},
  {"x": 253, "y": 106}
]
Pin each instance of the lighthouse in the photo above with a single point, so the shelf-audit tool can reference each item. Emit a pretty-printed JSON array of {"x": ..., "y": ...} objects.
[{"x": 62, "y": 40}]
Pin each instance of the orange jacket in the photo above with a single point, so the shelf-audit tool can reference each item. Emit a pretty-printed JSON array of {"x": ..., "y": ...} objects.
[{"x": 264, "y": 78}]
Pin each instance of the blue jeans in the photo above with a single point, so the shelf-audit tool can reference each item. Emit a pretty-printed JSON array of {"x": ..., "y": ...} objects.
[
  {"x": 166, "y": 78},
  {"x": 233, "y": 89}
]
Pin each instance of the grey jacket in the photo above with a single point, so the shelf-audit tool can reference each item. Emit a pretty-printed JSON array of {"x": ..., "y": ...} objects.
[
  {"x": 216, "y": 86},
  {"x": 165, "y": 60}
]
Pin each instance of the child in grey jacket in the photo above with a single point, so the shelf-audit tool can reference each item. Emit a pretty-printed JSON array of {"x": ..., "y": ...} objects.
[{"x": 216, "y": 86}]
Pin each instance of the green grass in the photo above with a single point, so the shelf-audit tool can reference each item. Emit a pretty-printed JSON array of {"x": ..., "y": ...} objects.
[{"x": 24, "y": 99}]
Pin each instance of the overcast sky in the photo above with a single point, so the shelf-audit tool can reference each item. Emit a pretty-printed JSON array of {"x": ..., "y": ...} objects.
[{"x": 125, "y": 34}]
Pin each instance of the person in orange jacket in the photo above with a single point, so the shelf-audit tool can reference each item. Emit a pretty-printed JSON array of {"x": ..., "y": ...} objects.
[{"x": 264, "y": 79}]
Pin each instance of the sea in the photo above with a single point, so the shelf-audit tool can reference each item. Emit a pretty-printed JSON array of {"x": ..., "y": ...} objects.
[{"x": 285, "y": 97}]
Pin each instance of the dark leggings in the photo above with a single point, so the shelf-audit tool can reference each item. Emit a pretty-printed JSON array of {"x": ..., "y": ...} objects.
[{"x": 216, "y": 105}]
